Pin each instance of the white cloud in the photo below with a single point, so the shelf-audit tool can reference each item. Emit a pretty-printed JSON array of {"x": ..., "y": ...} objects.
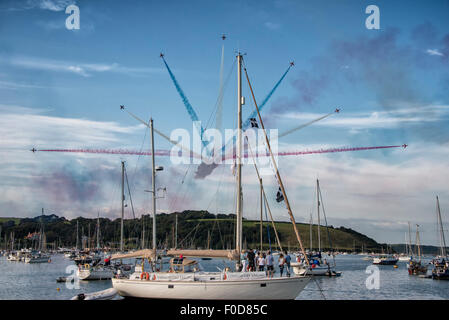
[
  {"x": 22, "y": 128},
  {"x": 272, "y": 25},
  {"x": 52, "y": 5},
  {"x": 378, "y": 119},
  {"x": 82, "y": 69},
  {"x": 434, "y": 52},
  {"x": 10, "y": 85}
]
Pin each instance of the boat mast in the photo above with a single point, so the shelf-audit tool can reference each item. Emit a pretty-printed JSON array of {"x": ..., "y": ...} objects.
[
  {"x": 98, "y": 230},
  {"x": 311, "y": 222},
  {"x": 261, "y": 217},
  {"x": 318, "y": 210},
  {"x": 41, "y": 236},
  {"x": 77, "y": 234},
  {"x": 143, "y": 232},
  {"x": 410, "y": 251},
  {"x": 176, "y": 231},
  {"x": 123, "y": 206},
  {"x": 208, "y": 239},
  {"x": 440, "y": 223},
  {"x": 153, "y": 178},
  {"x": 418, "y": 243},
  {"x": 238, "y": 239}
]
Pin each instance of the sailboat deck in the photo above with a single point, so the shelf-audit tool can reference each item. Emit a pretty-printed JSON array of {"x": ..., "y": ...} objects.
[{"x": 201, "y": 276}]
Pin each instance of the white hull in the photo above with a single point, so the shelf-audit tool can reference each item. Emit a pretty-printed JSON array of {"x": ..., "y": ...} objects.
[
  {"x": 404, "y": 259},
  {"x": 94, "y": 274},
  {"x": 37, "y": 260},
  {"x": 385, "y": 261},
  {"x": 300, "y": 270},
  {"x": 13, "y": 258},
  {"x": 251, "y": 289}
]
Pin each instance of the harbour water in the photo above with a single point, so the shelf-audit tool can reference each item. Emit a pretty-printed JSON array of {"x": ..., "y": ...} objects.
[{"x": 38, "y": 282}]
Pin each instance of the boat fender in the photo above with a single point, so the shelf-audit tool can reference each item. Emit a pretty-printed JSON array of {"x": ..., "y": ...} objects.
[
  {"x": 313, "y": 266},
  {"x": 225, "y": 276},
  {"x": 154, "y": 277}
]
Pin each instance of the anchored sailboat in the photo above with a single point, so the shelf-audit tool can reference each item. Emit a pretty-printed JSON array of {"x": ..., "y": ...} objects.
[
  {"x": 441, "y": 262},
  {"x": 184, "y": 280},
  {"x": 415, "y": 266},
  {"x": 319, "y": 267}
]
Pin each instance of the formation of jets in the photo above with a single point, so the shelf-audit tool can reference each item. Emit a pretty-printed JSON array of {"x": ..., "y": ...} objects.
[{"x": 223, "y": 37}]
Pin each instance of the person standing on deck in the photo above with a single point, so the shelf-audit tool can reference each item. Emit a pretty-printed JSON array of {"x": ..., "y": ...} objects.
[
  {"x": 281, "y": 263},
  {"x": 261, "y": 262},
  {"x": 251, "y": 257},
  {"x": 243, "y": 258},
  {"x": 270, "y": 262},
  {"x": 287, "y": 262}
]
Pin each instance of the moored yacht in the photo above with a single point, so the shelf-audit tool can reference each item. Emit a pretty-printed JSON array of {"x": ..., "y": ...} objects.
[
  {"x": 37, "y": 258},
  {"x": 385, "y": 260},
  {"x": 184, "y": 279}
]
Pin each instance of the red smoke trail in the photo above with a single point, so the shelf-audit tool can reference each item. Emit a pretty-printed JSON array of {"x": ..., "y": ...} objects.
[
  {"x": 344, "y": 149},
  {"x": 331, "y": 150},
  {"x": 165, "y": 153},
  {"x": 105, "y": 151}
]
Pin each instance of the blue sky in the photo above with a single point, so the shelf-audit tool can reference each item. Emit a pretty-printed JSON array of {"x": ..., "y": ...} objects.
[{"x": 62, "y": 88}]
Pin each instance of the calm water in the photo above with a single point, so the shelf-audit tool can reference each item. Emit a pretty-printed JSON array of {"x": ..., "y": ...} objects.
[{"x": 38, "y": 281}]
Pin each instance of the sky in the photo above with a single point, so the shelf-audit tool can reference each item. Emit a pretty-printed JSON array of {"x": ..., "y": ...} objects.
[{"x": 62, "y": 88}]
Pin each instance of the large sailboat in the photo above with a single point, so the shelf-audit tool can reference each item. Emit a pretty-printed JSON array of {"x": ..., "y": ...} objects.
[
  {"x": 441, "y": 261},
  {"x": 183, "y": 279},
  {"x": 407, "y": 256},
  {"x": 415, "y": 266}
]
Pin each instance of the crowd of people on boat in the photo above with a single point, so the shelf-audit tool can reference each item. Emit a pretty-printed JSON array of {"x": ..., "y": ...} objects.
[{"x": 254, "y": 260}]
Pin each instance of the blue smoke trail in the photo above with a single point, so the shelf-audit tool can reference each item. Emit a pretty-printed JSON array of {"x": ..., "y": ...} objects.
[
  {"x": 254, "y": 113},
  {"x": 246, "y": 124},
  {"x": 186, "y": 102}
]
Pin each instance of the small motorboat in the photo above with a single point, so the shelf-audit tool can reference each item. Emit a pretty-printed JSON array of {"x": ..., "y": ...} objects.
[
  {"x": 385, "y": 260},
  {"x": 107, "y": 294}
]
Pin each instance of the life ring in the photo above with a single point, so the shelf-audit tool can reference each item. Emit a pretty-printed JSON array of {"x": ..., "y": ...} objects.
[
  {"x": 144, "y": 275},
  {"x": 86, "y": 266},
  {"x": 225, "y": 276},
  {"x": 154, "y": 277}
]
